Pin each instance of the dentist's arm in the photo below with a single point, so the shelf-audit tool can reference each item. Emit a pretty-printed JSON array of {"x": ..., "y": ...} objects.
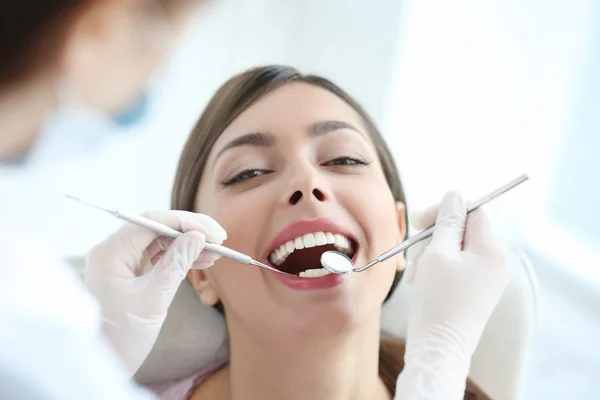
[
  {"x": 47, "y": 361},
  {"x": 457, "y": 279},
  {"x": 51, "y": 347},
  {"x": 135, "y": 274}
]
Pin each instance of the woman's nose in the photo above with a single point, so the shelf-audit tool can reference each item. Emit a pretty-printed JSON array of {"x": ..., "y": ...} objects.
[{"x": 315, "y": 193}]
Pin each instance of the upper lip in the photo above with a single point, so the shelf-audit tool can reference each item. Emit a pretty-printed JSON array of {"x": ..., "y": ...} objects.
[{"x": 302, "y": 227}]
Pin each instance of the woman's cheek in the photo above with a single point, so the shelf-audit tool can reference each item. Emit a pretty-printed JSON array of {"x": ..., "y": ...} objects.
[
  {"x": 379, "y": 217},
  {"x": 376, "y": 199}
]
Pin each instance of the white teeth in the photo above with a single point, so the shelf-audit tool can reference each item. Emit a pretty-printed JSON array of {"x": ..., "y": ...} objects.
[
  {"x": 329, "y": 237},
  {"x": 339, "y": 240},
  {"x": 320, "y": 238},
  {"x": 313, "y": 273},
  {"x": 308, "y": 240},
  {"x": 289, "y": 247}
]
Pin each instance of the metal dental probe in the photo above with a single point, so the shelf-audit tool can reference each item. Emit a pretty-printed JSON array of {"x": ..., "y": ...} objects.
[
  {"x": 338, "y": 263},
  {"x": 164, "y": 230}
]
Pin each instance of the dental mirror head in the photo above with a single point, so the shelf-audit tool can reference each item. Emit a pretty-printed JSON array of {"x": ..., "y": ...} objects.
[{"x": 336, "y": 262}]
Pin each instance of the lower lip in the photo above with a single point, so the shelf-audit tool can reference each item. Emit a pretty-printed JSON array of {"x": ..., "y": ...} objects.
[
  {"x": 328, "y": 281},
  {"x": 322, "y": 282}
]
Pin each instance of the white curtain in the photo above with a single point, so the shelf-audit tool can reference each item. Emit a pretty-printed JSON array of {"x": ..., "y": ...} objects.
[{"x": 487, "y": 90}]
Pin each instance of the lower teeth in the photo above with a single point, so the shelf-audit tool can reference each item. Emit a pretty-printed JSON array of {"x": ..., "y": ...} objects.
[{"x": 313, "y": 273}]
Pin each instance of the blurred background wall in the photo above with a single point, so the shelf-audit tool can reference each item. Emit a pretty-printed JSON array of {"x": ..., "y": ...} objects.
[{"x": 468, "y": 94}]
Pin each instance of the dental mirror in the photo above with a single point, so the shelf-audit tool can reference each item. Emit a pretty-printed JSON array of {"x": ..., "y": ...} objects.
[{"x": 336, "y": 262}]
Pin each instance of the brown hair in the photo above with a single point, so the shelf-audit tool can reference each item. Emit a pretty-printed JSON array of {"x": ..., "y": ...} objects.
[
  {"x": 32, "y": 33},
  {"x": 234, "y": 97}
]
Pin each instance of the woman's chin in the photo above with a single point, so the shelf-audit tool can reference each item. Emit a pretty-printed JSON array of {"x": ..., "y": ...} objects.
[{"x": 325, "y": 319}]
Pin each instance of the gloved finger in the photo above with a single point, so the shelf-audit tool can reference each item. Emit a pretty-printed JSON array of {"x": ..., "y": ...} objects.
[
  {"x": 414, "y": 254},
  {"x": 480, "y": 236},
  {"x": 156, "y": 258},
  {"x": 449, "y": 228},
  {"x": 158, "y": 245},
  {"x": 206, "y": 260},
  {"x": 177, "y": 260},
  {"x": 157, "y": 250},
  {"x": 186, "y": 221},
  {"x": 423, "y": 219},
  {"x": 137, "y": 238},
  {"x": 163, "y": 242}
]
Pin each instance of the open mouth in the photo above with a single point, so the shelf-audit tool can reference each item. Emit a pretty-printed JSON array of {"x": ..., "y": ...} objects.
[{"x": 302, "y": 256}]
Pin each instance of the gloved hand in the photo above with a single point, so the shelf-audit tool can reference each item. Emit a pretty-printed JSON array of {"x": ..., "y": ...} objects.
[
  {"x": 457, "y": 278},
  {"x": 135, "y": 274}
]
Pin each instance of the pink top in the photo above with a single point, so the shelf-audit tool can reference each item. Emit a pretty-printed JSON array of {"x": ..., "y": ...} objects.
[{"x": 183, "y": 389}]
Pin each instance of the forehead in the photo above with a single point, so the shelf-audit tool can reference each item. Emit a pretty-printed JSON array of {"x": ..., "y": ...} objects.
[{"x": 288, "y": 108}]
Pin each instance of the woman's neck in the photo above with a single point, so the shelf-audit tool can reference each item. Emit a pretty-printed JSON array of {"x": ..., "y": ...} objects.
[
  {"x": 344, "y": 367},
  {"x": 23, "y": 109}
]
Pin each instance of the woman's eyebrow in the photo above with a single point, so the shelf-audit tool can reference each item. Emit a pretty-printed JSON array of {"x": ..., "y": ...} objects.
[
  {"x": 259, "y": 139},
  {"x": 321, "y": 128},
  {"x": 267, "y": 139}
]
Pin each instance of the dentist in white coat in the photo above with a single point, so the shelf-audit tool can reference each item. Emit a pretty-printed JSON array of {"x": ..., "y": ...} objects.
[
  {"x": 96, "y": 57},
  {"x": 58, "y": 340}
]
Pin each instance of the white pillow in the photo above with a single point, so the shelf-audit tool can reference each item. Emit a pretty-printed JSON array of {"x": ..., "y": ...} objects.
[{"x": 193, "y": 337}]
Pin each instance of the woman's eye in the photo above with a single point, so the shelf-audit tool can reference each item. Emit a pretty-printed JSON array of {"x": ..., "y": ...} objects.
[
  {"x": 244, "y": 176},
  {"x": 346, "y": 161}
]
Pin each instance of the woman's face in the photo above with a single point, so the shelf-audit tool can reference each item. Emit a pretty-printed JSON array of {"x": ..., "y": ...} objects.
[{"x": 293, "y": 173}]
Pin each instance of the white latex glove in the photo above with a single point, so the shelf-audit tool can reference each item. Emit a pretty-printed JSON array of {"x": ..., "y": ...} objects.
[
  {"x": 457, "y": 278},
  {"x": 135, "y": 274}
]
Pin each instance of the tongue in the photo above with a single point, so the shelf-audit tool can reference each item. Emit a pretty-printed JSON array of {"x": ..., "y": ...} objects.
[{"x": 302, "y": 260}]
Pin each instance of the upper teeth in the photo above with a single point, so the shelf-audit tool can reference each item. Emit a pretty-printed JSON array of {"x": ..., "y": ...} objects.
[{"x": 309, "y": 240}]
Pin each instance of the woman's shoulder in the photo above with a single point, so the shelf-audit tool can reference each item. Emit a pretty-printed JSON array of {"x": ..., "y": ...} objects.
[
  {"x": 205, "y": 384},
  {"x": 214, "y": 387}
]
